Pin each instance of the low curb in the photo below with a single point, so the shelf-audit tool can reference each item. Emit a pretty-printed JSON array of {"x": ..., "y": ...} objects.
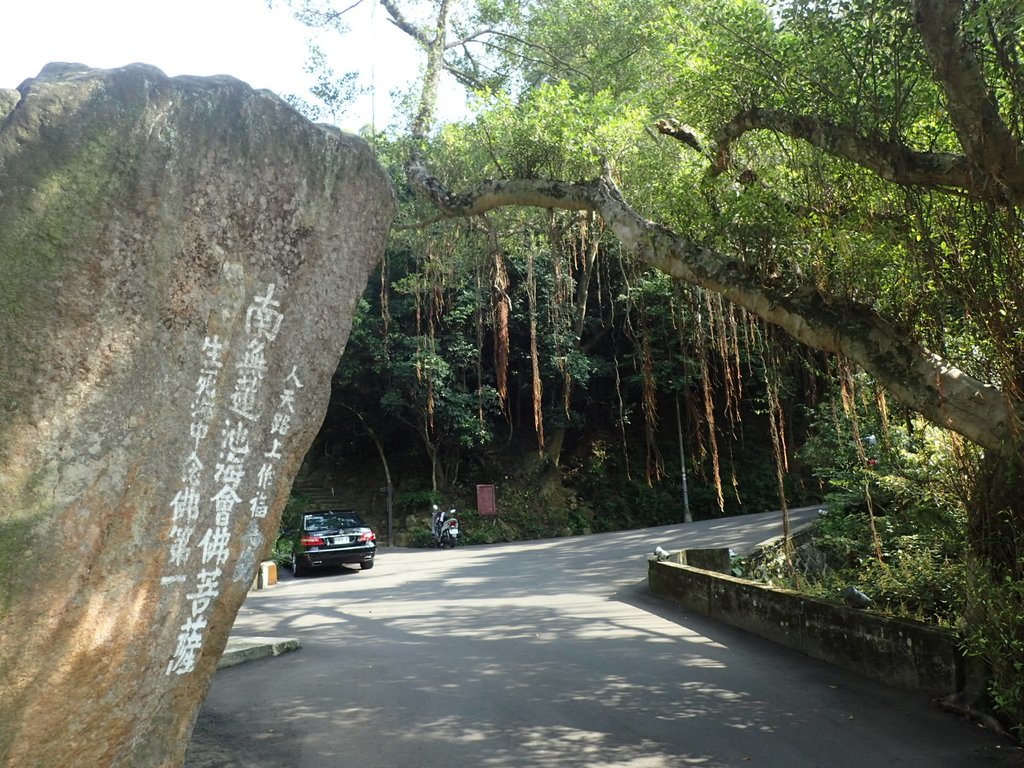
[{"x": 242, "y": 649}]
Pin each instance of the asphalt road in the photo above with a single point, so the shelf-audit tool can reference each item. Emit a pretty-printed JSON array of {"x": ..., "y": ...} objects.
[{"x": 550, "y": 654}]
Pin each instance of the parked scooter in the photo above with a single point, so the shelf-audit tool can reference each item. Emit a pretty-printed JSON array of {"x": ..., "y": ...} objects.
[{"x": 445, "y": 528}]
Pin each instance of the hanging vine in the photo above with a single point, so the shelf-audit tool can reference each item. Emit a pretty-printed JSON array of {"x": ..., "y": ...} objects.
[
  {"x": 501, "y": 308},
  {"x": 560, "y": 308},
  {"x": 654, "y": 465},
  {"x": 848, "y": 393},
  {"x": 622, "y": 420},
  {"x": 478, "y": 304},
  {"x": 537, "y": 386},
  {"x": 768, "y": 351},
  {"x": 701, "y": 326}
]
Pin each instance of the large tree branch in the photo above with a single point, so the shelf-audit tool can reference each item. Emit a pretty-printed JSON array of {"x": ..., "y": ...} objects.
[
  {"x": 971, "y": 104},
  {"x": 891, "y": 160},
  {"x": 919, "y": 379},
  {"x": 398, "y": 19},
  {"x": 992, "y": 166},
  {"x": 486, "y": 37}
]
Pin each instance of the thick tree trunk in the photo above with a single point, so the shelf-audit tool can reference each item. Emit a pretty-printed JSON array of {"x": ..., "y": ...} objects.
[
  {"x": 432, "y": 41},
  {"x": 972, "y": 104},
  {"x": 996, "y": 515},
  {"x": 181, "y": 261}
]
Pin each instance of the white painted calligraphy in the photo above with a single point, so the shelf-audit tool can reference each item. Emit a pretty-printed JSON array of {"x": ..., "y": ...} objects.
[
  {"x": 280, "y": 424},
  {"x": 215, "y": 545},
  {"x": 186, "y": 504},
  {"x": 190, "y": 641},
  {"x": 262, "y": 319},
  {"x": 179, "y": 550},
  {"x": 240, "y": 443},
  {"x": 258, "y": 505},
  {"x": 207, "y": 589}
]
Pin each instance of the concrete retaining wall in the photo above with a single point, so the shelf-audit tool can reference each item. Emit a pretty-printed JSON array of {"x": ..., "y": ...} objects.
[{"x": 897, "y": 652}]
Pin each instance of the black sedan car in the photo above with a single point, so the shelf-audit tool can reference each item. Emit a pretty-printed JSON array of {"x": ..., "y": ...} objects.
[{"x": 332, "y": 537}]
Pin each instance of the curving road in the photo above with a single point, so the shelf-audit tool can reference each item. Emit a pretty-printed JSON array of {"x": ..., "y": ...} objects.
[{"x": 550, "y": 654}]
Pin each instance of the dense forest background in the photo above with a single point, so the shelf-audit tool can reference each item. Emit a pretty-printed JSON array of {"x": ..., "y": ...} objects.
[
  {"x": 773, "y": 243},
  {"x": 564, "y": 386}
]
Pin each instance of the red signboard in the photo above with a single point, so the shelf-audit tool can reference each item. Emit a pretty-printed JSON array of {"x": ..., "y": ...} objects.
[{"x": 485, "y": 503}]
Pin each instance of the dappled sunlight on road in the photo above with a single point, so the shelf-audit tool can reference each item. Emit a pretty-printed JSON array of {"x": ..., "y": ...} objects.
[
  {"x": 574, "y": 602},
  {"x": 544, "y": 655},
  {"x": 543, "y": 746},
  {"x": 316, "y": 621},
  {"x": 558, "y": 617},
  {"x": 578, "y": 616},
  {"x": 554, "y": 625},
  {"x": 557, "y": 746}
]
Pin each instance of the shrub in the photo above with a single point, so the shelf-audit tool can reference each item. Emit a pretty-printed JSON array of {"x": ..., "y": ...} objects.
[{"x": 896, "y": 522}]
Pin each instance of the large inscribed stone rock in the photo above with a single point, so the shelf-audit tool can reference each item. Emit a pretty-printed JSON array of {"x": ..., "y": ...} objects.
[{"x": 180, "y": 261}]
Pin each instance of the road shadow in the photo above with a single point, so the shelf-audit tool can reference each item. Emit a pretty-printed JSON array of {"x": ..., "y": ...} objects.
[{"x": 546, "y": 654}]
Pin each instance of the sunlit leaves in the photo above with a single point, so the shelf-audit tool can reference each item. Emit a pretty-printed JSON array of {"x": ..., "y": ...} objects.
[
  {"x": 556, "y": 132},
  {"x": 333, "y": 93}
]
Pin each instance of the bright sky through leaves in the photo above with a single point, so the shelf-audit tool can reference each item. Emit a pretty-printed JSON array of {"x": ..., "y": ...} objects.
[{"x": 243, "y": 38}]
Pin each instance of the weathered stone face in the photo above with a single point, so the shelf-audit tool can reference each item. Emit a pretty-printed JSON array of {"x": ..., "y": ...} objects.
[{"x": 180, "y": 259}]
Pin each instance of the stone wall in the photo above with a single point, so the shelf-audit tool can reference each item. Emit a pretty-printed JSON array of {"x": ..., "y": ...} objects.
[{"x": 903, "y": 653}]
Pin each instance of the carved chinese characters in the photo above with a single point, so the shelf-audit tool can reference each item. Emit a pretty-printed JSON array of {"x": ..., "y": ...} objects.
[{"x": 240, "y": 488}]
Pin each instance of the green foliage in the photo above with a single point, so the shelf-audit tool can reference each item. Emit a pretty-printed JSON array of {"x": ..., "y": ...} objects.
[
  {"x": 999, "y": 641},
  {"x": 296, "y": 506},
  {"x": 291, "y": 519},
  {"x": 912, "y": 466},
  {"x": 922, "y": 575},
  {"x": 556, "y": 132},
  {"x": 332, "y": 93},
  {"x": 282, "y": 552},
  {"x": 861, "y": 58},
  {"x": 638, "y": 505},
  {"x": 519, "y": 522},
  {"x": 411, "y": 501},
  {"x": 906, "y": 481}
]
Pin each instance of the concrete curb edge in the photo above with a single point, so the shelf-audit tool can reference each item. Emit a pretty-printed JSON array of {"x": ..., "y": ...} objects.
[{"x": 242, "y": 649}]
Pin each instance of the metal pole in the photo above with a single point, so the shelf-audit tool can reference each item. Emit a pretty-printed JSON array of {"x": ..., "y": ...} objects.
[
  {"x": 687, "y": 517},
  {"x": 391, "y": 505}
]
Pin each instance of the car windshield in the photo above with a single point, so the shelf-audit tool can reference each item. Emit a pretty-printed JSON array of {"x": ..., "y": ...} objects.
[{"x": 325, "y": 521}]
